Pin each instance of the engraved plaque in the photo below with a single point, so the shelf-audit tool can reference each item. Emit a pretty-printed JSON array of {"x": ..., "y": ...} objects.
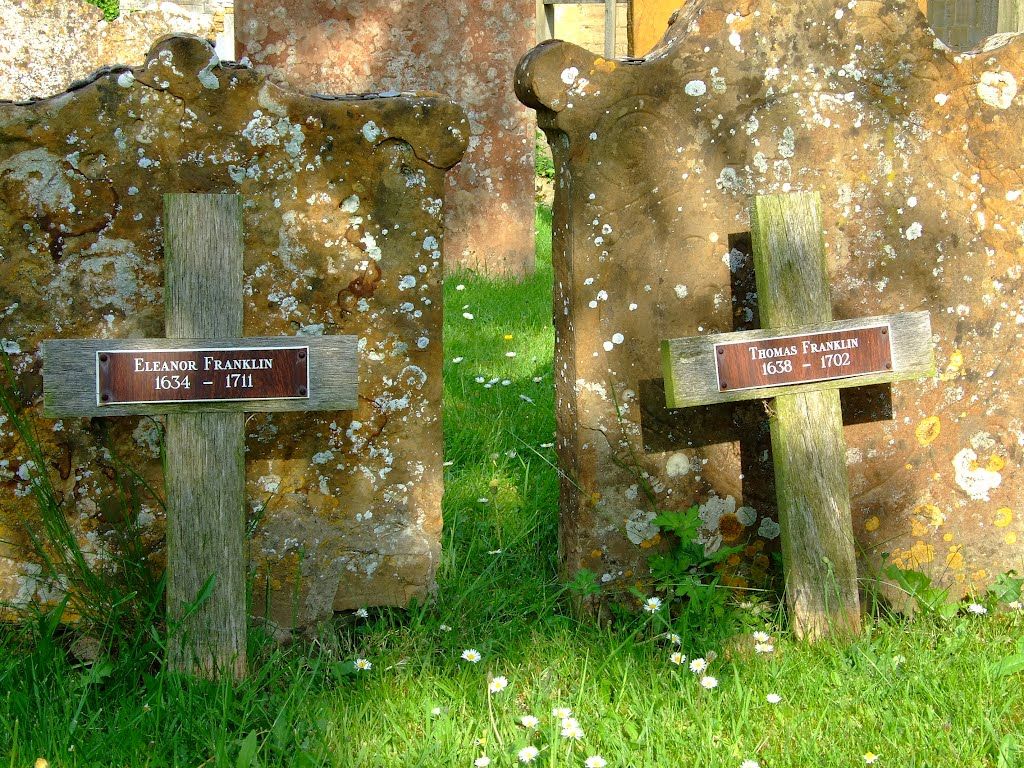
[
  {"x": 185, "y": 375},
  {"x": 782, "y": 360}
]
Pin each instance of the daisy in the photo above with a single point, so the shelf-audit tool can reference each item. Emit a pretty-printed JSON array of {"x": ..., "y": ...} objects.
[
  {"x": 764, "y": 648},
  {"x": 529, "y": 721},
  {"x": 595, "y": 761},
  {"x": 1016, "y": 605},
  {"x": 510, "y": 353},
  {"x": 363, "y": 664},
  {"x": 677, "y": 658},
  {"x": 445, "y": 628},
  {"x": 762, "y": 637},
  {"x": 468, "y": 315},
  {"x": 773, "y": 698},
  {"x": 675, "y": 639},
  {"x": 498, "y": 684},
  {"x": 482, "y": 762},
  {"x": 436, "y": 711},
  {"x": 708, "y": 682},
  {"x": 572, "y": 731},
  {"x": 561, "y": 712},
  {"x": 871, "y": 758},
  {"x": 528, "y": 754},
  {"x": 458, "y": 359},
  {"x": 698, "y": 665},
  {"x": 471, "y": 655},
  {"x": 977, "y": 609},
  {"x": 652, "y": 604},
  {"x": 362, "y": 613},
  {"x": 750, "y": 764}
]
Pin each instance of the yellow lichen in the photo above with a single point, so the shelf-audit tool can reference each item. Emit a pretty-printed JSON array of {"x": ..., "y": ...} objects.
[
  {"x": 1011, "y": 538},
  {"x": 596, "y": 554},
  {"x": 1003, "y": 517},
  {"x": 955, "y": 558},
  {"x": 928, "y": 430},
  {"x": 921, "y": 553},
  {"x": 995, "y": 463},
  {"x": 872, "y": 523},
  {"x": 947, "y": 537},
  {"x": 604, "y": 65},
  {"x": 917, "y": 528},
  {"x": 931, "y": 514},
  {"x": 953, "y": 369}
]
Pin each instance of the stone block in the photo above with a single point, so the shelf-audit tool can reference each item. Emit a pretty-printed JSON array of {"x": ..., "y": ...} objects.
[
  {"x": 916, "y": 152},
  {"x": 464, "y": 50},
  {"x": 343, "y": 234},
  {"x": 48, "y": 45}
]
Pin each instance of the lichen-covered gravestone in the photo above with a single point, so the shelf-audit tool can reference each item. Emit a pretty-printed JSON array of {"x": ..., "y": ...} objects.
[
  {"x": 342, "y": 221},
  {"x": 465, "y": 49},
  {"x": 916, "y": 153}
]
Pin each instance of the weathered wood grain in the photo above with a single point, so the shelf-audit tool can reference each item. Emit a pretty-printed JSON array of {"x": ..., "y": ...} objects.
[
  {"x": 690, "y": 370},
  {"x": 808, "y": 447},
  {"x": 69, "y": 376},
  {"x": 205, "y": 452}
]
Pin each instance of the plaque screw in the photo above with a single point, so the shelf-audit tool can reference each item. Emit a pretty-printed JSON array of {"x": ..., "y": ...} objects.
[
  {"x": 724, "y": 385},
  {"x": 302, "y": 391},
  {"x": 885, "y": 331},
  {"x": 888, "y": 366},
  {"x": 105, "y": 397},
  {"x": 302, "y": 355},
  {"x": 104, "y": 358},
  {"x": 721, "y": 351}
]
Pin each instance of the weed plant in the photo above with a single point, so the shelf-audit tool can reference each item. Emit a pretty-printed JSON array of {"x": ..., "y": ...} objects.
[{"x": 449, "y": 683}]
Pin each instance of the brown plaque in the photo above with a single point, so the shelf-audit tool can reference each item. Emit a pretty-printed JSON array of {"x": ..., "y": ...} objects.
[
  {"x": 185, "y": 375},
  {"x": 783, "y": 360}
]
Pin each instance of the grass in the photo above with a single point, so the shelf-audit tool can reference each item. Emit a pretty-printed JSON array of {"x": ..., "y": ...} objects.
[{"x": 421, "y": 705}]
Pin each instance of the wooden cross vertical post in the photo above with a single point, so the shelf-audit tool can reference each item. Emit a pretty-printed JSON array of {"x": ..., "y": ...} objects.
[
  {"x": 204, "y": 376},
  {"x": 801, "y": 359},
  {"x": 205, "y": 452}
]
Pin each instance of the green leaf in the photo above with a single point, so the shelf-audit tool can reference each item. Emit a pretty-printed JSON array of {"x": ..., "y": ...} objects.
[
  {"x": 1010, "y": 665},
  {"x": 247, "y": 752}
]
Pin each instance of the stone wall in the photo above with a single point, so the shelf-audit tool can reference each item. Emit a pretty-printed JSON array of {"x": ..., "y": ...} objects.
[
  {"x": 48, "y": 45},
  {"x": 465, "y": 50},
  {"x": 916, "y": 153},
  {"x": 343, "y": 235}
]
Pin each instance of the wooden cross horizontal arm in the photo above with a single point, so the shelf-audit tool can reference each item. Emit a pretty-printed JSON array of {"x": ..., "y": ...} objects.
[
  {"x": 69, "y": 381},
  {"x": 690, "y": 369}
]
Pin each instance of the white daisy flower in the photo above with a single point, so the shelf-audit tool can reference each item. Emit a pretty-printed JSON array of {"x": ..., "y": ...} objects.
[
  {"x": 362, "y": 613},
  {"x": 773, "y": 698},
  {"x": 572, "y": 731},
  {"x": 871, "y": 758},
  {"x": 709, "y": 682},
  {"x": 652, "y": 604},
  {"x": 977, "y": 609},
  {"x": 698, "y": 665},
  {"x": 762, "y": 637},
  {"x": 471, "y": 655},
  {"x": 675, "y": 639},
  {"x": 528, "y": 754},
  {"x": 750, "y": 764},
  {"x": 764, "y": 648},
  {"x": 677, "y": 658},
  {"x": 561, "y": 712},
  {"x": 529, "y": 721},
  {"x": 363, "y": 664},
  {"x": 1016, "y": 605},
  {"x": 595, "y": 761},
  {"x": 498, "y": 684},
  {"x": 482, "y": 762}
]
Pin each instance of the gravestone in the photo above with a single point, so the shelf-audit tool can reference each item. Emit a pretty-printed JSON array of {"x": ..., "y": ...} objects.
[
  {"x": 466, "y": 51},
  {"x": 343, "y": 236},
  {"x": 915, "y": 151}
]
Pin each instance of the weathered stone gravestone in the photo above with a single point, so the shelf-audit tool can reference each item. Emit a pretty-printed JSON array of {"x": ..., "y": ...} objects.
[
  {"x": 464, "y": 50},
  {"x": 916, "y": 153},
  {"x": 342, "y": 223}
]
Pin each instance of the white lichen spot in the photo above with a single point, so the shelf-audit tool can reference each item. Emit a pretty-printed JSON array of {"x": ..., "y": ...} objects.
[
  {"x": 350, "y": 204},
  {"x": 407, "y": 282},
  {"x": 695, "y": 88},
  {"x": 787, "y": 145},
  {"x": 371, "y": 132},
  {"x": 569, "y": 75},
  {"x": 126, "y": 79},
  {"x": 323, "y": 457},
  {"x": 639, "y": 527},
  {"x": 769, "y": 529},
  {"x": 974, "y": 479},
  {"x": 618, "y": 338},
  {"x": 997, "y": 89},
  {"x": 1013, "y": 195},
  {"x": 941, "y": 99},
  {"x": 678, "y": 464},
  {"x": 746, "y": 515},
  {"x": 735, "y": 40},
  {"x": 681, "y": 291},
  {"x": 913, "y": 231}
]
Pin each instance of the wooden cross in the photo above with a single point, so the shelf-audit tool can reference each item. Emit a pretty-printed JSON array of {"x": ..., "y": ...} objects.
[
  {"x": 203, "y": 376},
  {"x": 801, "y": 359}
]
